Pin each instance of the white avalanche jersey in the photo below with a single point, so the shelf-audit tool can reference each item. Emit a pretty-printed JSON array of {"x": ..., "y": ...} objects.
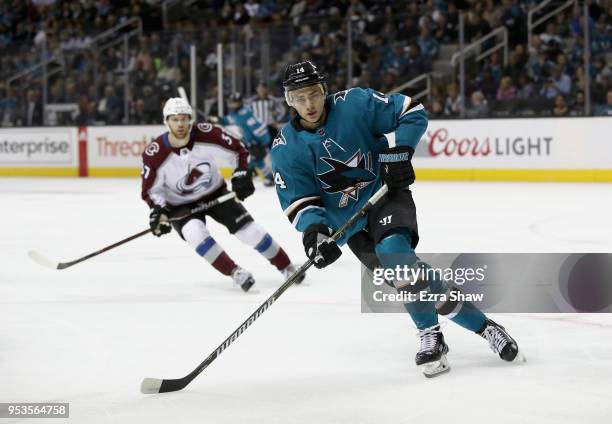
[{"x": 172, "y": 177}]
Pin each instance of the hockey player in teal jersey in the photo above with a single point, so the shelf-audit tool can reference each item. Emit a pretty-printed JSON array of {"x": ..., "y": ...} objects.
[
  {"x": 329, "y": 160},
  {"x": 255, "y": 135}
]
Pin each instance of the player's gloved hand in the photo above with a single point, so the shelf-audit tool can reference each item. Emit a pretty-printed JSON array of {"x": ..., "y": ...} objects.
[
  {"x": 319, "y": 246},
  {"x": 395, "y": 167},
  {"x": 158, "y": 221},
  {"x": 242, "y": 183},
  {"x": 258, "y": 151}
]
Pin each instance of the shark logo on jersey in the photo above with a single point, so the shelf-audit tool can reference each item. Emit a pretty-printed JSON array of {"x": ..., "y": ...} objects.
[
  {"x": 196, "y": 179},
  {"x": 341, "y": 95},
  {"x": 328, "y": 142},
  {"x": 347, "y": 177}
]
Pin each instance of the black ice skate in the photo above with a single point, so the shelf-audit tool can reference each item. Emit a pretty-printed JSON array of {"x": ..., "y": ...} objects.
[
  {"x": 243, "y": 278},
  {"x": 431, "y": 357},
  {"x": 501, "y": 342}
]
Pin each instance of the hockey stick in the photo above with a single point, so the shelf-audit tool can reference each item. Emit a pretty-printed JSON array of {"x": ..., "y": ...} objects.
[
  {"x": 156, "y": 385},
  {"x": 43, "y": 260}
]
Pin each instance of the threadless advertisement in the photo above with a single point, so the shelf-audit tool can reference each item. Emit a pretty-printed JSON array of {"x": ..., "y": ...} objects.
[{"x": 492, "y": 282}]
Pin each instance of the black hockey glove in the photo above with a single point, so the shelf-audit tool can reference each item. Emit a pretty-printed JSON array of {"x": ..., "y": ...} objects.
[
  {"x": 158, "y": 221},
  {"x": 395, "y": 167},
  {"x": 242, "y": 183},
  {"x": 319, "y": 246},
  {"x": 258, "y": 151}
]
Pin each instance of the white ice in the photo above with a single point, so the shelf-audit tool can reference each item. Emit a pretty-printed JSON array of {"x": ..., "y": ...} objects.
[{"x": 152, "y": 308}]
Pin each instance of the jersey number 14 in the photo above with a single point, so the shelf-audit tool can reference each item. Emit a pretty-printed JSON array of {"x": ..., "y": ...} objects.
[{"x": 278, "y": 180}]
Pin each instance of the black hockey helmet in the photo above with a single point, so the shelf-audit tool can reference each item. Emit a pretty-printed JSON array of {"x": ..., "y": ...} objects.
[{"x": 301, "y": 75}]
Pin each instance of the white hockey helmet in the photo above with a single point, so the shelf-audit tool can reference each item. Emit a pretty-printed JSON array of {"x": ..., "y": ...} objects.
[{"x": 177, "y": 106}]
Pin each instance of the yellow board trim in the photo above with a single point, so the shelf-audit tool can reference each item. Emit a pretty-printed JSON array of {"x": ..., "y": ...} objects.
[
  {"x": 133, "y": 172},
  {"x": 422, "y": 174},
  {"x": 508, "y": 175},
  {"x": 39, "y": 172}
]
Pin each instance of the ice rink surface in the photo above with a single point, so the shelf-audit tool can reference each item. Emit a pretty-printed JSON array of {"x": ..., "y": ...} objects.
[{"x": 152, "y": 308}]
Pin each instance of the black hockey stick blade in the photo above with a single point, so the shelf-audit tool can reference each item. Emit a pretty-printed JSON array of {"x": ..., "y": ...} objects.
[
  {"x": 44, "y": 261},
  {"x": 156, "y": 385}
]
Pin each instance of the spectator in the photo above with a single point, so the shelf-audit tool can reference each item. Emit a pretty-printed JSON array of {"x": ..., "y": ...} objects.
[
  {"x": 169, "y": 74},
  {"x": 475, "y": 27},
  {"x": 605, "y": 109},
  {"x": 396, "y": 61},
  {"x": 492, "y": 14},
  {"x": 557, "y": 84},
  {"x": 577, "y": 107},
  {"x": 446, "y": 31},
  {"x": 436, "y": 109},
  {"x": 513, "y": 18},
  {"x": 506, "y": 91},
  {"x": 32, "y": 114},
  {"x": 87, "y": 112},
  {"x": 496, "y": 67},
  {"x": 551, "y": 40},
  {"x": 140, "y": 116},
  {"x": 566, "y": 67},
  {"x": 560, "y": 107},
  {"x": 526, "y": 89},
  {"x": 416, "y": 64},
  {"x": 602, "y": 70},
  {"x": 307, "y": 39},
  {"x": 428, "y": 44},
  {"x": 488, "y": 85},
  {"x": 479, "y": 107},
  {"x": 452, "y": 104},
  {"x": 514, "y": 69},
  {"x": 109, "y": 106}
]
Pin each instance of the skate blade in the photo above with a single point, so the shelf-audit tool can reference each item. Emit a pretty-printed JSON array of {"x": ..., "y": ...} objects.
[{"x": 435, "y": 368}]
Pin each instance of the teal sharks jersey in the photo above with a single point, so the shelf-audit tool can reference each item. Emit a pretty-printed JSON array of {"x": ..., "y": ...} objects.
[
  {"x": 325, "y": 176},
  {"x": 253, "y": 131}
]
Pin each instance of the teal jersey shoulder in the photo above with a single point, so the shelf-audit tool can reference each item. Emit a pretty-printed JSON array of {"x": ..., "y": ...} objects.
[
  {"x": 253, "y": 131},
  {"x": 325, "y": 176}
]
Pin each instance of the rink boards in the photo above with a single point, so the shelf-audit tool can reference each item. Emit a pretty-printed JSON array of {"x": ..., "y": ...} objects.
[{"x": 539, "y": 149}]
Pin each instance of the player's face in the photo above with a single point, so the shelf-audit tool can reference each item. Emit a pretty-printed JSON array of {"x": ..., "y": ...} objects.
[
  {"x": 309, "y": 102},
  {"x": 179, "y": 125},
  {"x": 234, "y": 106}
]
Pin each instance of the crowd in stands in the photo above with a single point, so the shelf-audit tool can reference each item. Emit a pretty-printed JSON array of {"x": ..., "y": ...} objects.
[{"x": 393, "y": 42}]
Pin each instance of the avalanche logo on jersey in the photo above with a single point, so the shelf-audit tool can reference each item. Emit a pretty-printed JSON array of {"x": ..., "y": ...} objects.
[
  {"x": 196, "y": 179},
  {"x": 347, "y": 177}
]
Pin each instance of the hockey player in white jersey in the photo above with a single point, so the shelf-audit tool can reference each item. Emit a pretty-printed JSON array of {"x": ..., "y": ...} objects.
[{"x": 180, "y": 171}]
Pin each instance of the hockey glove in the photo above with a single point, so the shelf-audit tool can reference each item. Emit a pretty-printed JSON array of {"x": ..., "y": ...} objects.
[
  {"x": 319, "y": 246},
  {"x": 158, "y": 221},
  {"x": 242, "y": 183},
  {"x": 258, "y": 151},
  {"x": 395, "y": 167}
]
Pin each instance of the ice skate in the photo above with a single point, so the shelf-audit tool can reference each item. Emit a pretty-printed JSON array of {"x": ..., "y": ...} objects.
[
  {"x": 431, "y": 357},
  {"x": 288, "y": 272},
  {"x": 501, "y": 342},
  {"x": 243, "y": 278}
]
